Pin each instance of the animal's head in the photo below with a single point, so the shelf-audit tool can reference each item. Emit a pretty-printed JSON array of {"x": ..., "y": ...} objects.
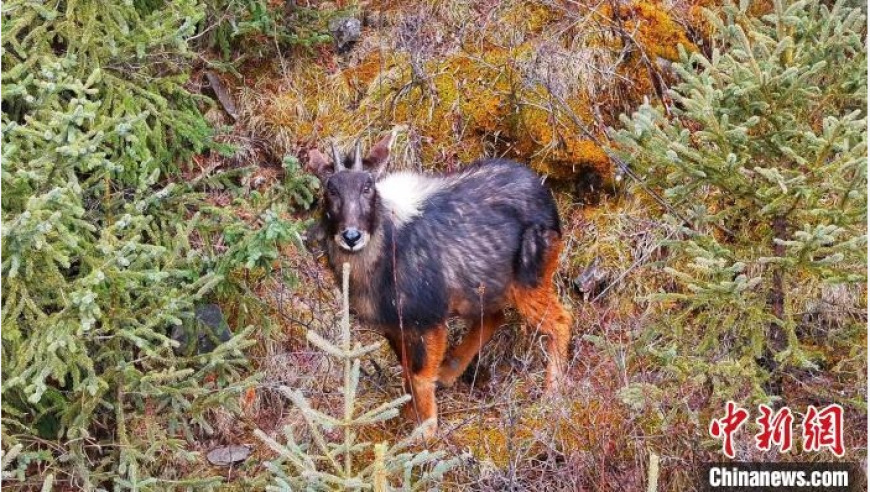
[{"x": 350, "y": 196}]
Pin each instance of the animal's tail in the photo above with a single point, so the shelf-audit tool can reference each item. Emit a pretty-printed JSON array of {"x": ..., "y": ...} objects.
[{"x": 529, "y": 265}]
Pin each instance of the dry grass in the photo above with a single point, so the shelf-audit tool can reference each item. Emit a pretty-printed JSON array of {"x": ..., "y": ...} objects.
[
  {"x": 583, "y": 439},
  {"x": 465, "y": 79},
  {"x": 587, "y": 438}
]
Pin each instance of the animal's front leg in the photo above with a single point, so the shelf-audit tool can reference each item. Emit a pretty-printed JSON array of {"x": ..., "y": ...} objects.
[{"x": 421, "y": 360}]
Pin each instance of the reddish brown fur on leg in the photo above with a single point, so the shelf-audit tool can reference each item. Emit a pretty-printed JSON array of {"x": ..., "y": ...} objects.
[
  {"x": 461, "y": 355},
  {"x": 541, "y": 308},
  {"x": 423, "y": 406}
]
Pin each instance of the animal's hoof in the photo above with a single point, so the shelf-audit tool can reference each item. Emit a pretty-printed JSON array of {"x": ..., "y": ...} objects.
[
  {"x": 427, "y": 429},
  {"x": 445, "y": 382},
  {"x": 550, "y": 394},
  {"x": 447, "y": 373},
  {"x": 556, "y": 378},
  {"x": 554, "y": 388}
]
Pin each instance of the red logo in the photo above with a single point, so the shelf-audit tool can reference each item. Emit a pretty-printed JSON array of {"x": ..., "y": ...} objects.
[
  {"x": 824, "y": 429},
  {"x": 725, "y": 427},
  {"x": 775, "y": 429},
  {"x": 821, "y": 428}
]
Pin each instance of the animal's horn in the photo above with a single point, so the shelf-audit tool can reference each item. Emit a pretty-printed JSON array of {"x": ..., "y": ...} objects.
[
  {"x": 339, "y": 165},
  {"x": 357, "y": 156}
]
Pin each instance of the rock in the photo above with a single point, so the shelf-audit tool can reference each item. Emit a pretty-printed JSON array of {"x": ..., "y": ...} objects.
[
  {"x": 345, "y": 32},
  {"x": 210, "y": 329},
  {"x": 592, "y": 280},
  {"x": 228, "y": 455}
]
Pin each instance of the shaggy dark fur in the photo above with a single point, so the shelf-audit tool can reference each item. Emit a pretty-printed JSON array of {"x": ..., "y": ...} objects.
[{"x": 482, "y": 235}]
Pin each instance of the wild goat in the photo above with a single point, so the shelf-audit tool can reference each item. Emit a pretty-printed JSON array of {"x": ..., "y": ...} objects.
[{"x": 423, "y": 248}]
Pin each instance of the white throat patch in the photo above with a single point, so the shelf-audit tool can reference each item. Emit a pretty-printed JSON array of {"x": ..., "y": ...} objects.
[{"x": 403, "y": 194}]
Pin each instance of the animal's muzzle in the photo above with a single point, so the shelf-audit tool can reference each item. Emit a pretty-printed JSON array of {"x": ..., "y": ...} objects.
[
  {"x": 352, "y": 239},
  {"x": 351, "y": 236}
]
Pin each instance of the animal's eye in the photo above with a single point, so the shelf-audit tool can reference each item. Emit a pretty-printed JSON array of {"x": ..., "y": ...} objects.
[{"x": 367, "y": 188}]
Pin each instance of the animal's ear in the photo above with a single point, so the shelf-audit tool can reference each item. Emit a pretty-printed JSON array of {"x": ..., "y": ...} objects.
[
  {"x": 319, "y": 164},
  {"x": 379, "y": 155}
]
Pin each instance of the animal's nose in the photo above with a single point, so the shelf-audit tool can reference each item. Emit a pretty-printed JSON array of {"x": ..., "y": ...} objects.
[{"x": 351, "y": 236}]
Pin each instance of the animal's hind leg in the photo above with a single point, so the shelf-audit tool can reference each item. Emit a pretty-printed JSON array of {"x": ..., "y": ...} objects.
[
  {"x": 461, "y": 355},
  {"x": 541, "y": 308},
  {"x": 420, "y": 360}
]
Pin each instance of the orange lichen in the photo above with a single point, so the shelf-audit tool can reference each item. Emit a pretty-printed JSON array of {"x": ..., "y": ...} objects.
[
  {"x": 654, "y": 29},
  {"x": 490, "y": 441},
  {"x": 529, "y": 17},
  {"x": 540, "y": 427},
  {"x": 480, "y": 99},
  {"x": 365, "y": 72},
  {"x": 548, "y": 135},
  {"x": 462, "y": 99},
  {"x": 469, "y": 97}
]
